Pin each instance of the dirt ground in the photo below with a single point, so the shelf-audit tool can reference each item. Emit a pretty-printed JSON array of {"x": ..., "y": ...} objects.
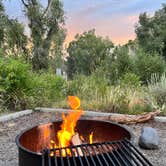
[{"x": 10, "y": 129}]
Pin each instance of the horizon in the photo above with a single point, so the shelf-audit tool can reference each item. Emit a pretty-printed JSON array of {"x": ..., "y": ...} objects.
[{"x": 115, "y": 19}]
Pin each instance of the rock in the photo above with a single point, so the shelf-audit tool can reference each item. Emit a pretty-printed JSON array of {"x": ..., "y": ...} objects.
[
  {"x": 11, "y": 124},
  {"x": 149, "y": 138}
]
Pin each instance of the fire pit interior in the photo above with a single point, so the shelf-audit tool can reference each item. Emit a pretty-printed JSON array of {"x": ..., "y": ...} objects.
[{"x": 39, "y": 138}]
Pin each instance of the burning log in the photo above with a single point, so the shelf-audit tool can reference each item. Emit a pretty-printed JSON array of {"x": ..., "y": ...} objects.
[
  {"x": 75, "y": 140},
  {"x": 131, "y": 119}
]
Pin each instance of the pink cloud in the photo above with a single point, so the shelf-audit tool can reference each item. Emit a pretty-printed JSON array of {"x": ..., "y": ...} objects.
[{"x": 119, "y": 28}]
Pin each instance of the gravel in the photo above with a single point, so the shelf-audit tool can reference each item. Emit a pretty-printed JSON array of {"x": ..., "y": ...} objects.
[
  {"x": 158, "y": 156},
  {"x": 9, "y": 130}
]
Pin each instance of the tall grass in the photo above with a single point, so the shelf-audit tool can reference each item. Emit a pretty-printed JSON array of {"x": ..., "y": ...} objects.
[
  {"x": 97, "y": 94},
  {"x": 157, "y": 91}
]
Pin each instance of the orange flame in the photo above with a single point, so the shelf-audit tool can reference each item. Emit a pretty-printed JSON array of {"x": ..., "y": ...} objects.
[
  {"x": 91, "y": 138},
  {"x": 68, "y": 126},
  {"x": 74, "y": 102},
  {"x": 69, "y": 123}
]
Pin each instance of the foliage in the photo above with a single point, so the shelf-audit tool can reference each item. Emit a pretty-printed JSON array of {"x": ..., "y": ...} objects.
[
  {"x": 120, "y": 64},
  {"x": 15, "y": 36},
  {"x": 45, "y": 89},
  {"x": 14, "y": 79},
  {"x": 89, "y": 85},
  {"x": 44, "y": 23},
  {"x": 141, "y": 64},
  {"x": 20, "y": 88},
  {"x": 87, "y": 53},
  {"x": 157, "y": 91},
  {"x": 2, "y": 22},
  {"x": 151, "y": 32},
  {"x": 124, "y": 79},
  {"x": 97, "y": 94},
  {"x": 56, "y": 51},
  {"x": 14, "y": 75},
  {"x": 131, "y": 80},
  {"x": 12, "y": 38},
  {"x": 147, "y": 65}
]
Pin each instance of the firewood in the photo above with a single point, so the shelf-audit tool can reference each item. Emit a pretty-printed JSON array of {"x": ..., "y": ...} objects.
[
  {"x": 131, "y": 119},
  {"x": 75, "y": 140}
]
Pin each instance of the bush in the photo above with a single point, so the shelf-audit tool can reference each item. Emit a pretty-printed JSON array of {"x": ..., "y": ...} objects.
[
  {"x": 20, "y": 88},
  {"x": 45, "y": 89},
  {"x": 120, "y": 65},
  {"x": 14, "y": 75},
  {"x": 130, "y": 79},
  {"x": 14, "y": 82},
  {"x": 147, "y": 65}
]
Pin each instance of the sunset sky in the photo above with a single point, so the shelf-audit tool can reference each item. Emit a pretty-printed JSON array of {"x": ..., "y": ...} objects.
[{"x": 113, "y": 18}]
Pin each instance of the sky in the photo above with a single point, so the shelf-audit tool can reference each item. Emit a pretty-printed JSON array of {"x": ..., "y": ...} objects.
[{"x": 115, "y": 19}]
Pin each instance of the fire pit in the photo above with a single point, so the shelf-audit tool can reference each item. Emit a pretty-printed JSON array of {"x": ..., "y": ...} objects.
[
  {"x": 78, "y": 142},
  {"x": 33, "y": 141}
]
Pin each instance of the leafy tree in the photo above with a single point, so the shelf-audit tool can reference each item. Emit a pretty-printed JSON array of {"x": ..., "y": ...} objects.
[
  {"x": 12, "y": 38},
  {"x": 87, "y": 53},
  {"x": 119, "y": 64},
  {"x": 142, "y": 64},
  {"x": 56, "y": 51},
  {"x": 151, "y": 32},
  {"x": 44, "y": 23},
  {"x": 15, "y": 37},
  {"x": 1, "y": 22}
]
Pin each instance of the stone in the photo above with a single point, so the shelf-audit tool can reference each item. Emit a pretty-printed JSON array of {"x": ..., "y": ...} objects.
[
  {"x": 11, "y": 124},
  {"x": 149, "y": 138}
]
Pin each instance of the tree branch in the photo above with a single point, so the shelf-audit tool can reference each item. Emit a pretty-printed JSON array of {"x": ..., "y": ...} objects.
[
  {"x": 25, "y": 4},
  {"x": 34, "y": 2},
  {"x": 48, "y": 6}
]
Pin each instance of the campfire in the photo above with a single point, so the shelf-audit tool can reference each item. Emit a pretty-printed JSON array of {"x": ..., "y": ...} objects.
[
  {"x": 67, "y": 135},
  {"x": 76, "y": 141}
]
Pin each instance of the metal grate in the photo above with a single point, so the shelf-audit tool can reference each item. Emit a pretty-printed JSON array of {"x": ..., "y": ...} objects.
[{"x": 116, "y": 153}]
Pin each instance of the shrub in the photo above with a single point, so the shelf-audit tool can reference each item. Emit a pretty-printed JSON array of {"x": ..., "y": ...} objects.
[
  {"x": 20, "y": 88},
  {"x": 14, "y": 75},
  {"x": 130, "y": 79},
  {"x": 14, "y": 80},
  {"x": 147, "y": 65},
  {"x": 121, "y": 64},
  {"x": 45, "y": 89}
]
